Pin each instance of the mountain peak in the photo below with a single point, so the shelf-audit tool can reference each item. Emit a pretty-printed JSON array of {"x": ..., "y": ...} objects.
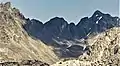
[
  {"x": 36, "y": 21},
  {"x": 57, "y": 21},
  {"x": 6, "y": 5},
  {"x": 15, "y": 43},
  {"x": 58, "y": 18},
  {"x": 97, "y": 13}
]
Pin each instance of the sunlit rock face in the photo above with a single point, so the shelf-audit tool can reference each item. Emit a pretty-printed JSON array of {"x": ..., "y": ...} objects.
[
  {"x": 104, "y": 51},
  {"x": 24, "y": 63},
  {"x": 15, "y": 43}
]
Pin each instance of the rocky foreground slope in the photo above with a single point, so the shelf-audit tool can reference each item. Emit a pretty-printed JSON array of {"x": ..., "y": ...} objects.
[
  {"x": 25, "y": 63},
  {"x": 104, "y": 51},
  {"x": 15, "y": 44}
]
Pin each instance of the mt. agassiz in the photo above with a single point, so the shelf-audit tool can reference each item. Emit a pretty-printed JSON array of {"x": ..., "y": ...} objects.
[
  {"x": 57, "y": 32},
  {"x": 58, "y": 29}
]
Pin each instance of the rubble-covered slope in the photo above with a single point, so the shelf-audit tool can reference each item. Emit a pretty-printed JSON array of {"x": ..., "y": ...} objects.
[
  {"x": 104, "y": 50},
  {"x": 15, "y": 44}
]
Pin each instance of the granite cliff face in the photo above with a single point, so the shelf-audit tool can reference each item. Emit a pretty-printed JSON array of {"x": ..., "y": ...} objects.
[
  {"x": 104, "y": 51},
  {"x": 15, "y": 43}
]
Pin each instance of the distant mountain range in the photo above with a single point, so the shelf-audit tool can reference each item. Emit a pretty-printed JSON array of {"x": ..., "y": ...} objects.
[
  {"x": 58, "y": 29},
  {"x": 57, "y": 32}
]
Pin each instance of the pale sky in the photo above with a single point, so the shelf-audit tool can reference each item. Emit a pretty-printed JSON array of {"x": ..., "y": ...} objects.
[{"x": 71, "y": 10}]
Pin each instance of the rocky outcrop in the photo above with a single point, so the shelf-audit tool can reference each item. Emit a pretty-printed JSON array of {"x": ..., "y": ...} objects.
[
  {"x": 15, "y": 43},
  {"x": 25, "y": 63},
  {"x": 104, "y": 51}
]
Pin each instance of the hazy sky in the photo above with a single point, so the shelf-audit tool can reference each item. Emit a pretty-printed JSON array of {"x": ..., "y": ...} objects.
[{"x": 71, "y": 10}]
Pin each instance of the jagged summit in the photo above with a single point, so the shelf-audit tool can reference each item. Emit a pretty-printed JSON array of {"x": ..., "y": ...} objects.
[
  {"x": 57, "y": 31},
  {"x": 57, "y": 21},
  {"x": 98, "y": 22},
  {"x": 57, "y": 18},
  {"x": 36, "y": 21},
  {"x": 7, "y": 5},
  {"x": 14, "y": 11},
  {"x": 98, "y": 13}
]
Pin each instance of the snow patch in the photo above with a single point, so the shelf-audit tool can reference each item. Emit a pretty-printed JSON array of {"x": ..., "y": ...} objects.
[
  {"x": 58, "y": 37},
  {"x": 96, "y": 15},
  {"x": 97, "y": 22},
  {"x": 88, "y": 33},
  {"x": 63, "y": 26},
  {"x": 84, "y": 47},
  {"x": 117, "y": 19},
  {"x": 58, "y": 42},
  {"x": 100, "y": 18}
]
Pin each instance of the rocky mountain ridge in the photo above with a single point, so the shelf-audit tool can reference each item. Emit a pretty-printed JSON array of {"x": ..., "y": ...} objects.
[
  {"x": 104, "y": 51},
  {"x": 15, "y": 43},
  {"x": 68, "y": 39},
  {"x": 58, "y": 29}
]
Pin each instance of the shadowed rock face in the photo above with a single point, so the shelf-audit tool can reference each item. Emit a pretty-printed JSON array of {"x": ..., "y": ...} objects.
[
  {"x": 57, "y": 32},
  {"x": 58, "y": 28}
]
